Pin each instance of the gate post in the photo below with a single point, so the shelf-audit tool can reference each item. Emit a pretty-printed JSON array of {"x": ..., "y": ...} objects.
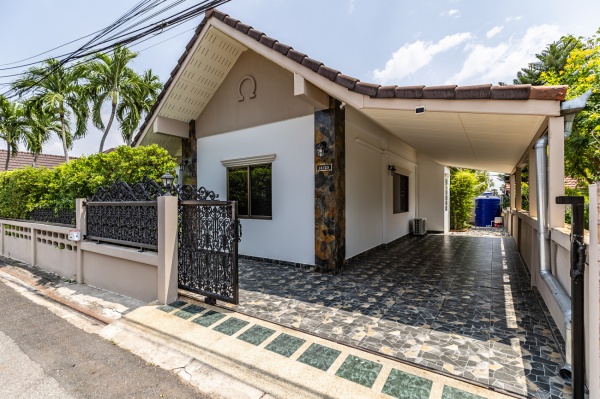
[
  {"x": 167, "y": 249},
  {"x": 80, "y": 223}
]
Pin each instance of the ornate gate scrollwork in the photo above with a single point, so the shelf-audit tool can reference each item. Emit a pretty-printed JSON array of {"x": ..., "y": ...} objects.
[{"x": 208, "y": 245}]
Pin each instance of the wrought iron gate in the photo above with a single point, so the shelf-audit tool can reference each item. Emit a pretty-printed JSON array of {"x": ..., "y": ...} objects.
[{"x": 209, "y": 232}]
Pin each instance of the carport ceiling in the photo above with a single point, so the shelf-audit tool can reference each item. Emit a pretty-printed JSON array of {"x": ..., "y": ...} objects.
[{"x": 493, "y": 142}]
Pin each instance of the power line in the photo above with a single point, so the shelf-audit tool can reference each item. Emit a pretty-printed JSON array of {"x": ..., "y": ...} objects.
[{"x": 127, "y": 36}]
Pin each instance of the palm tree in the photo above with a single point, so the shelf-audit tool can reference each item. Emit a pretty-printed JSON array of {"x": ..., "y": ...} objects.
[
  {"x": 111, "y": 79},
  {"x": 134, "y": 107},
  {"x": 12, "y": 126},
  {"x": 56, "y": 89},
  {"x": 41, "y": 125}
]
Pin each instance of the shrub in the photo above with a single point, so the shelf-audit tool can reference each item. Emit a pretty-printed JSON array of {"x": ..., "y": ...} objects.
[
  {"x": 24, "y": 190},
  {"x": 463, "y": 188}
]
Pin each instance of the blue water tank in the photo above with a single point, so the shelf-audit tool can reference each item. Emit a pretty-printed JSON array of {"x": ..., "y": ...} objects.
[{"x": 486, "y": 206}]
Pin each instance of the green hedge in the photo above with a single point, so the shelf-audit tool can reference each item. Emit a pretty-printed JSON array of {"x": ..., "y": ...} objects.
[{"x": 24, "y": 190}]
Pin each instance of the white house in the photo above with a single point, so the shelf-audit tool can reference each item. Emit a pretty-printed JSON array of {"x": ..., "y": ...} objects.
[{"x": 326, "y": 167}]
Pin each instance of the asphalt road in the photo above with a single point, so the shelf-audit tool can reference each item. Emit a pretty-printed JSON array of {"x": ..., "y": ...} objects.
[{"x": 44, "y": 356}]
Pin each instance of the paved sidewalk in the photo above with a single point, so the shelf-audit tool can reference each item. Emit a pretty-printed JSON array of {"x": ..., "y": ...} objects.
[{"x": 229, "y": 355}]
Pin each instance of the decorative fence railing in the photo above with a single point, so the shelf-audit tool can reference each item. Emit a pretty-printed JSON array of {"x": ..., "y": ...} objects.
[
  {"x": 50, "y": 215},
  {"x": 125, "y": 215}
]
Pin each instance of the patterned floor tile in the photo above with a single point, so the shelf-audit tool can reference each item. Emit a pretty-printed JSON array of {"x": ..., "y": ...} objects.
[
  {"x": 402, "y": 385},
  {"x": 461, "y": 305},
  {"x": 209, "y": 318},
  {"x": 319, "y": 356},
  {"x": 361, "y": 371},
  {"x": 231, "y": 326},
  {"x": 256, "y": 335},
  {"x": 285, "y": 345}
]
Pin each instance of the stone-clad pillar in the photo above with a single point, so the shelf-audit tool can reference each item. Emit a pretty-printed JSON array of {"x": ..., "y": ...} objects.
[
  {"x": 330, "y": 189},
  {"x": 189, "y": 156}
]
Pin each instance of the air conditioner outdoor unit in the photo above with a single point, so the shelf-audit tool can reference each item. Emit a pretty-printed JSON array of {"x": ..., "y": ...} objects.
[{"x": 420, "y": 226}]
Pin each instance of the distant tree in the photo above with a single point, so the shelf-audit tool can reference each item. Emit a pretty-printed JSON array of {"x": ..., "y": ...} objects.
[
  {"x": 12, "y": 126},
  {"x": 40, "y": 126},
  {"x": 57, "y": 90},
  {"x": 582, "y": 73},
  {"x": 129, "y": 95},
  {"x": 552, "y": 59},
  {"x": 133, "y": 108},
  {"x": 484, "y": 180}
]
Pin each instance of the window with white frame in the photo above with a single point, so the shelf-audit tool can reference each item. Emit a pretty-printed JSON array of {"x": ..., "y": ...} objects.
[{"x": 249, "y": 182}]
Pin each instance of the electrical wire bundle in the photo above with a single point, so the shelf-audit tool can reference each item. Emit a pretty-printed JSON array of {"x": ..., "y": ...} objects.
[{"x": 138, "y": 24}]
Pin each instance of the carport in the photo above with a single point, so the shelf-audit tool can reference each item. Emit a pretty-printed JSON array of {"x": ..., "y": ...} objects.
[{"x": 461, "y": 305}]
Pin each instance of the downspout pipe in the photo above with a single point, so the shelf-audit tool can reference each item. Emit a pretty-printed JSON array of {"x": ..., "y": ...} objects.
[{"x": 558, "y": 292}]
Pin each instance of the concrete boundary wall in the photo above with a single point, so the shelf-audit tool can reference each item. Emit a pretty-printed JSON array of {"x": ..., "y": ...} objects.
[
  {"x": 147, "y": 276},
  {"x": 523, "y": 230},
  {"x": 41, "y": 245}
]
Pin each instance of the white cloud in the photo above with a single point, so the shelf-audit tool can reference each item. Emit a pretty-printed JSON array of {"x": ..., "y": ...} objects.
[
  {"x": 500, "y": 63},
  {"x": 494, "y": 31},
  {"x": 454, "y": 13},
  {"x": 413, "y": 56},
  {"x": 351, "y": 7},
  {"x": 514, "y": 18}
]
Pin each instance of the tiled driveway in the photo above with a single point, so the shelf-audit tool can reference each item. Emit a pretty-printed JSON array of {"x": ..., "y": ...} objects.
[{"x": 457, "y": 304}]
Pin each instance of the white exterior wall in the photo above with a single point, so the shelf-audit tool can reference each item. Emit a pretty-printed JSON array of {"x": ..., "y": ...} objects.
[
  {"x": 432, "y": 194},
  {"x": 370, "y": 220},
  {"x": 289, "y": 235}
]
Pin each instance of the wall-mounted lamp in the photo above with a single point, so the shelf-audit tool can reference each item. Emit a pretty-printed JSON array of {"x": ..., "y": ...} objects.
[
  {"x": 167, "y": 181},
  {"x": 321, "y": 149},
  {"x": 392, "y": 169},
  {"x": 184, "y": 165}
]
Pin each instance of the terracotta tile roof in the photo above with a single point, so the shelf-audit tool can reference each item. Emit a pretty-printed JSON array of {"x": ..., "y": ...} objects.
[
  {"x": 23, "y": 159},
  {"x": 487, "y": 91}
]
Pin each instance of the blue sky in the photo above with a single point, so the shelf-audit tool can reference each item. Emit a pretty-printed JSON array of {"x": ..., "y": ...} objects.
[{"x": 381, "y": 41}]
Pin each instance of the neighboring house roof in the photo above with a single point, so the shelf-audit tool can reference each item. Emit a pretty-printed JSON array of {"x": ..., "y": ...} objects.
[
  {"x": 378, "y": 102},
  {"x": 23, "y": 159},
  {"x": 571, "y": 183}
]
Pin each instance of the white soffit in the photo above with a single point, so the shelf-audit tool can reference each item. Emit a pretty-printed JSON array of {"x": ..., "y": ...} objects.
[
  {"x": 201, "y": 76},
  {"x": 493, "y": 142},
  {"x": 170, "y": 143}
]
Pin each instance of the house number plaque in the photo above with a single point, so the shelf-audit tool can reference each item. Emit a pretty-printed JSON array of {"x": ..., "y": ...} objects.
[{"x": 325, "y": 167}]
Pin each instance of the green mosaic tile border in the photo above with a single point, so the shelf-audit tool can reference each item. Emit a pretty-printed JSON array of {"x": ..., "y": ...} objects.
[
  {"x": 399, "y": 384},
  {"x": 319, "y": 356},
  {"x": 231, "y": 326},
  {"x": 361, "y": 371},
  {"x": 285, "y": 345},
  {"x": 256, "y": 334},
  {"x": 455, "y": 393},
  {"x": 403, "y": 385}
]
